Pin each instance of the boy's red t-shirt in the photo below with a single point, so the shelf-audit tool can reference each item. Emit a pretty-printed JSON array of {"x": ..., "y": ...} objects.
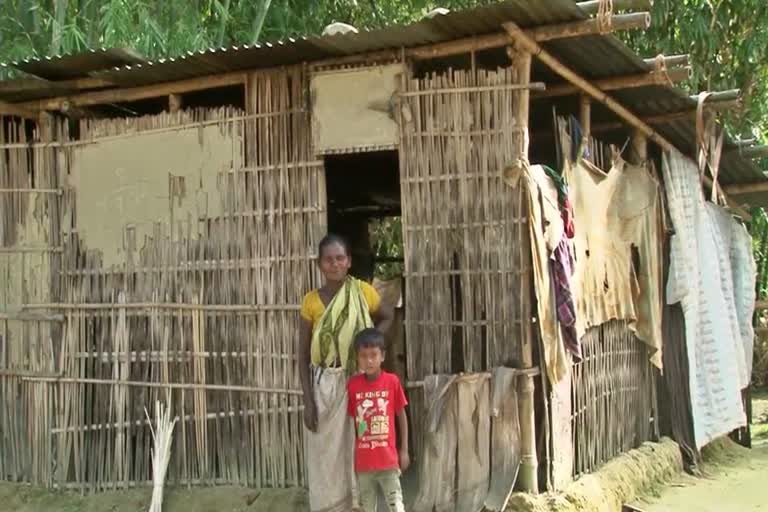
[{"x": 374, "y": 406}]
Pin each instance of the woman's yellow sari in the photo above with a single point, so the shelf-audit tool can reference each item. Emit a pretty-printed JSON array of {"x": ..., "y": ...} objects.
[
  {"x": 329, "y": 455},
  {"x": 345, "y": 316}
]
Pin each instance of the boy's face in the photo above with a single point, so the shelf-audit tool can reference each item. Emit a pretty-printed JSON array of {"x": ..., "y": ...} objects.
[{"x": 369, "y": 360}]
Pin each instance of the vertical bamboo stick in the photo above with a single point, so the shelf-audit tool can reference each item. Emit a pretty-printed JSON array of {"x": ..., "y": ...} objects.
[{"x": 528, "y": 476}]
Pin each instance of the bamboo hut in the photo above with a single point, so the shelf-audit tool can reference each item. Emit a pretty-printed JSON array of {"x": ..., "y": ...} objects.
[{"x": 159, "y": 224}]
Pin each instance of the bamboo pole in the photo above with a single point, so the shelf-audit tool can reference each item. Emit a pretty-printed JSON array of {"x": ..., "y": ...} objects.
[
  {"x": 57, "y": 191},
  {"x": 12, "y": 109},
  {"x": 750, "y": 152},
  {"x": 528, "y": 372},
  {"x": 135, "y": 93},
  {"x": 165, "y": 385},
  {"x": 533, "y": 86},
  {"x": 497, "y": 40},
  {"x": 591, "y": 7},
  {"x": 31, "y": 317},
  {"x": 670, "y": 117},
  {"x": 25, "y": 85},
  {"x": 670, "y": 61},
  {"x": 742, "y": 143},
  {"x": 622, "y": 82},
  {"x": 639, "y": 145},
  {"x": 29, "y": 249},
  {"x": 528, "y": 475},
  {"x": 175, "y": 102},
  {"x": 520, "y": 37},
  {"x": 585, "y": 119},
  {"x": 746, "y": 188},
  {"x": 163, "y": 305},
  {"x": 620, "y": 22},
  {"x": 728, "y": 95}
]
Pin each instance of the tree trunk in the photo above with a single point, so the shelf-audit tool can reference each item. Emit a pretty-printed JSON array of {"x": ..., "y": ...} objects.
[
  {"x": 258, "y": 22},
  {"x": 88, "y": 13},
  {"x": 60, "y": 15},
  {"x": 223, "y": 24}
]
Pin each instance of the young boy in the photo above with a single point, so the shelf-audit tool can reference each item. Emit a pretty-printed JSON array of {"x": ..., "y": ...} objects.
[{"x": 375, "y": 399}]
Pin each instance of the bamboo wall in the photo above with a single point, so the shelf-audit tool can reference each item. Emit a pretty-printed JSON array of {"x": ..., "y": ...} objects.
[
  {"x": 613, "y": 396},
  {"x": 195, "y": 301},
  {"x": 467, "y": 270},
  {"x": 30, "y": 255},
  {"x": 466, "y": 246},
  {"x": 198, "y": 309}
]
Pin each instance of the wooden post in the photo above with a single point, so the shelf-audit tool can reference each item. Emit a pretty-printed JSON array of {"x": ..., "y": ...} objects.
[
  {"x": 528, "y": 476},
  {"x": 747, "y": 188},
  {"x": 524, "y": 41},
  {"x": 137, "y": 93},
  {"x": 670, "y": 61},
  {"x": 9, "y": 109},
  {"x": 592, "y": 6},
  {"x": 621, "y": 82},
  {"x": 585, "y": 120},
  {"x": 175, "y": 103},
  {"x": 639, "y": 145},
  {"x": 750, "y": 152},
  {"x": 670, "y": 117}
]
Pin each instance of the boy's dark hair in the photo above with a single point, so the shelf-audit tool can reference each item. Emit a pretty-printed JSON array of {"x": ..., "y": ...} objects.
[
  {"x": 330, "y": 239},
  {"x": 370, "y": 338}
]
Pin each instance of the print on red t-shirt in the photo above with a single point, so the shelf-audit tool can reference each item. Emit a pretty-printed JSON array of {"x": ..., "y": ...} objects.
[{"x": 374, "y": 406}]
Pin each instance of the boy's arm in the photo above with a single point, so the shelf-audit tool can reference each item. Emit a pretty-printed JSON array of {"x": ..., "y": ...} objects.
[{"x": 402, "y": 423}]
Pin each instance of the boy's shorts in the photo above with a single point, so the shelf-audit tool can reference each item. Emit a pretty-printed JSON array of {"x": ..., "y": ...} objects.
[{"x": 388, "y": 481}]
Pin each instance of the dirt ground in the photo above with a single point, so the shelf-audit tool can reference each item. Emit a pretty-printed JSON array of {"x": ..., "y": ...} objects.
[
  {"x": 733, "y": 479},
  {"x": 19, "y": 498}
]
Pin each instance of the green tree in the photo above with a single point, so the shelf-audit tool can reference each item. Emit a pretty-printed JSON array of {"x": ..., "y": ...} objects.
[{"x": 728, "y": 44}]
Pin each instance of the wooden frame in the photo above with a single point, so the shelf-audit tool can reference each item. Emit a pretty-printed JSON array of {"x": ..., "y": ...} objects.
[
  {"x": 522, "y": 38},
  {"x": 640, "y": 20}
]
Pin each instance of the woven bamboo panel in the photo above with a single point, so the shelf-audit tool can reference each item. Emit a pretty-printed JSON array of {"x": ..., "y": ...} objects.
[
  {"x": 466, "y": 245},
  {"x": 30, "y": 254},
  {"x": 614, "y": 396},
  {"x": 202, "y": 314}
]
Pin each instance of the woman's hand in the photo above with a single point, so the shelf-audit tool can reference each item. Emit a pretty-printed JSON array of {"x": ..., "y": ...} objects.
[
  {"x": 405, "y": 460},
  {"x": 310, "y": 408},
  {"x": 310, "y": 415}
]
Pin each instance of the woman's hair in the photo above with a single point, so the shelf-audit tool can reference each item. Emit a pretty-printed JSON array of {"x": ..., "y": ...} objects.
[
  {"x": 331, "y": 239},
  {"x": 370, "y": 338}
]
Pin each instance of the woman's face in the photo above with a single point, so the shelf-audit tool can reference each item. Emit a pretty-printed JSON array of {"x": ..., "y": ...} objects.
[{"x": 335, "y": 262}]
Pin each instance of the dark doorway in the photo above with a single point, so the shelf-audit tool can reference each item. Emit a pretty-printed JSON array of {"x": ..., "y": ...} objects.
[{"x": 364, "y": 207}]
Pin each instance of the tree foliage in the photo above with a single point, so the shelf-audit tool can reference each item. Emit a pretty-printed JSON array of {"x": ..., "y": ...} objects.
[
  {"x": 728, "y": 44},
  {"x": 166, "y": 28},
  {"x": 727, "y": 39}
]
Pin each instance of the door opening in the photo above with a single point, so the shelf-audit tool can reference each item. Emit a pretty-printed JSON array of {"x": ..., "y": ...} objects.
[
  {"x": 363, "y": 191},
  {"x": 364, "y": 207}
]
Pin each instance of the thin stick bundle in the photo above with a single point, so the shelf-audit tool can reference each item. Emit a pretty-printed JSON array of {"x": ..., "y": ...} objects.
[{"x": 162, "y": 437}]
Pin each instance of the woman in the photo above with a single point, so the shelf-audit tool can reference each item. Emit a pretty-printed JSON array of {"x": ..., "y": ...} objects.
[{"x": 330, "y": 318}]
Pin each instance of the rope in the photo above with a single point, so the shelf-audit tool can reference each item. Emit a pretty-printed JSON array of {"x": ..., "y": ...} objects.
[
  {"x": 710, "y": 147},
  {"x": 660, "y": 66},
  {"x": 605, "y": 16}
]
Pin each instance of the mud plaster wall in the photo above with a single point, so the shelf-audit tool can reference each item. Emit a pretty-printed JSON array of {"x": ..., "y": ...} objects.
[
  {"x": 351, "y": 108},
  {"x": 129, "y": 182}
]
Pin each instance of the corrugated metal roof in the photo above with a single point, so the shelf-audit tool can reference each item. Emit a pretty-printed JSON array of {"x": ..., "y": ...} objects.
[
  {"x": 454, "y": 25},
  {"x": 65, "y": 67},
  {"x": 593, "y": 57}
]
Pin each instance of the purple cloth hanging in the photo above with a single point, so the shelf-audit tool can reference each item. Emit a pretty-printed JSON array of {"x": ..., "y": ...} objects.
[{"x": 561, "y": 270}]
